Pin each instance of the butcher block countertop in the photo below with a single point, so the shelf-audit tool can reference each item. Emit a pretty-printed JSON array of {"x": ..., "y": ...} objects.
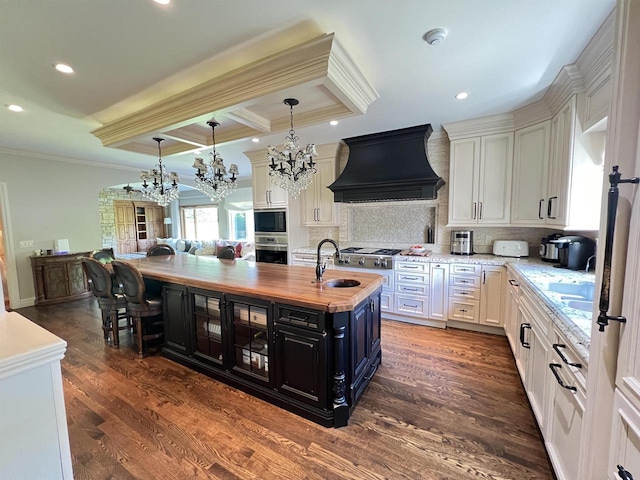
[{"x": 292, "y": 285}]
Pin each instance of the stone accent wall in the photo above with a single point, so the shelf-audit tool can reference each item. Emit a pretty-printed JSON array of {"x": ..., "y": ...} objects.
[{"x": 106, "y": 198}]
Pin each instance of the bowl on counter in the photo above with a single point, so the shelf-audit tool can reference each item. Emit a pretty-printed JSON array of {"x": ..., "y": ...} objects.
[{"x": 417, "y": 248}]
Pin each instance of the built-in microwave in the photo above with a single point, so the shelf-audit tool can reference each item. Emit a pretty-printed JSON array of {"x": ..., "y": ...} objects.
[{"x": 270, "y": 221}]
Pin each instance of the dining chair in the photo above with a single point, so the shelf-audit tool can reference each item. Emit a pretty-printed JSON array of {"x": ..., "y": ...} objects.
[
  {"x": 142, "y": 305},
  {"x": 104, "y": 255}
]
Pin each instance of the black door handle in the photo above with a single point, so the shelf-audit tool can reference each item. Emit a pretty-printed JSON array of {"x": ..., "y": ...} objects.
[
  {"x": 623, "y": 474},
  {"x": 553, "y": 367},
  {"x": 557, "y": 347},
  {"x": 522, "y": 328}
]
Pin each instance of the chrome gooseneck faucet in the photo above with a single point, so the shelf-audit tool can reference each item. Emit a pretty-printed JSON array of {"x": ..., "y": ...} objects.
[{"x": 320, "y": 267}]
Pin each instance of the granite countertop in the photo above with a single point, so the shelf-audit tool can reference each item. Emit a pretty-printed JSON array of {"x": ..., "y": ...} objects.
[{"x": 574, "y": 323}]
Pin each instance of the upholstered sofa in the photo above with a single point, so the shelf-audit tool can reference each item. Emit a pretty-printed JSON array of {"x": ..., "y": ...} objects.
[{"x": 243, "y": 250}]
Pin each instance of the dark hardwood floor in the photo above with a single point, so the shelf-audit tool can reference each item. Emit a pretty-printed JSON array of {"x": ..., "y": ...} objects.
[{"x": 445, "y": 404}]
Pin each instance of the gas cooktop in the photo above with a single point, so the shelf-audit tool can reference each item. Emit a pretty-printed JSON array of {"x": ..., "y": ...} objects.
[
  {"x": 371, "y": 251},
  {"x": 373, "y": 258}
]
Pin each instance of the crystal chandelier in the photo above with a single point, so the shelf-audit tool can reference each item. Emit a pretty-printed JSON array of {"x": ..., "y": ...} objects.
[
  {"x": 163, "y": 188},
  {"x": 292, "y": 168},
  {"x": 210, "y": 179}
]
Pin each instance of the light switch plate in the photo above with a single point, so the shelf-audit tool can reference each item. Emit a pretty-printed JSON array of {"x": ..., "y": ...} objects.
[{"x": 26, "y": 243}]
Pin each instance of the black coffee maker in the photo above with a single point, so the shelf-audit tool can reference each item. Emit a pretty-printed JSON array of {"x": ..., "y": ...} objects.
[{"x": 574, "y": 251}]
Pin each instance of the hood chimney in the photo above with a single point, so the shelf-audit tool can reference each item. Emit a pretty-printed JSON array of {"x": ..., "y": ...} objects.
[{"x": 385, "y": 166}]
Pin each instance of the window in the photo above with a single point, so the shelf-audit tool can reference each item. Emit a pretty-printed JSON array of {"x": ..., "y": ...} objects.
[
  {"x": 241, "y": 224},
  {"x": 199, "y": 222}
]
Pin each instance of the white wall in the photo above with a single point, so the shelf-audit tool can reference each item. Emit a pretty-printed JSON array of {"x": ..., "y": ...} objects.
[{"x": 51, "y": 199}]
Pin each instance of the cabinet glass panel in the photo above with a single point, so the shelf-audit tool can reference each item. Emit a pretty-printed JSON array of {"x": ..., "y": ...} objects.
[
  {"x": 250, "y": 339},
  {"x": 208, "y": 320}
]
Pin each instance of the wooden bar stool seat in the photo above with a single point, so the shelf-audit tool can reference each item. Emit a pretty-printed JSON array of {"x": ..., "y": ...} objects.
[
  {"x": 142, "y": 306},
  {"x": 111, "y": 299}
]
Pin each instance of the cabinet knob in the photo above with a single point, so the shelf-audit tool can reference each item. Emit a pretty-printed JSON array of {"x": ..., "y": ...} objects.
[{"x": 623, "y": 474}]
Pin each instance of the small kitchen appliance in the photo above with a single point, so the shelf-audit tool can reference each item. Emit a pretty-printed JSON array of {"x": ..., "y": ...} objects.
[
  {"x": 462, "y": 242},
  {"x": 511, "y": 248},
  {"x": 549, "y": 249},
  {"x": 574, "y": 251}
]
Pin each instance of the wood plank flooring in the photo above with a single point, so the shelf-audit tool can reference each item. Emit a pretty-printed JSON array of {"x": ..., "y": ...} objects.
[{"x": 445, "y": 404}]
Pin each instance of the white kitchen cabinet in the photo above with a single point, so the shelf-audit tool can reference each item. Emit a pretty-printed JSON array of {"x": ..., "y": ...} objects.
[
  {"x": 438, "y": 291},
  {"x": 574, "y": 179},
  {"x": 567, "y": 407},
  {"x": 464, "y": 292},
  {"x": 318, "y": 208},
  {"x": 311, "y": 259},
  {"x": 530, "y": 173},
  {"x": 492, "y": 295},
  {"x": 480, "y": 180},
  {"x": 265, "y": 193}
]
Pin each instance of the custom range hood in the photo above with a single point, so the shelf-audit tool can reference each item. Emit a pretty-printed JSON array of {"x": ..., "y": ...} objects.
[{"x": 388, "y": 166}]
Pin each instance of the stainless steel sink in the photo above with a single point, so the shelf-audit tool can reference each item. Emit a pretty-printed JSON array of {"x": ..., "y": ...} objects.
[
  {"x": 341, "y": 283},
  {"x": 582, "y": 290},
  {"x": 580, "y": 305}
]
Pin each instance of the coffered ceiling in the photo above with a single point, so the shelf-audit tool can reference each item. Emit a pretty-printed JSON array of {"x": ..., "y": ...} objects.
[{"x": 145, "y": 70}]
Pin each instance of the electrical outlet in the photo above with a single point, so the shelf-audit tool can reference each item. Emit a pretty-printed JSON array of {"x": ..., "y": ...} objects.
[
  {"x": 488, "y": 239},
  {"x": 26, "y": 243}
]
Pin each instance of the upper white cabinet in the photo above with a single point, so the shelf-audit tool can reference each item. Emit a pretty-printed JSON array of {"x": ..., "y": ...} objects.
[
  {"x": 480, "y": 180},
  {"x": 317, "y": 206},
  {"x": 530, "y": 172},
  {"x": 574, "y": 180},
  {"x": 265, "y": 193}
]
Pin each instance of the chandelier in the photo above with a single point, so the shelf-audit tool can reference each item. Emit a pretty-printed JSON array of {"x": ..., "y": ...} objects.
[
  {"x": 210, "y": 179},
  {"x": 292, "y": 168},
  {"x": 163, "y": 188}
]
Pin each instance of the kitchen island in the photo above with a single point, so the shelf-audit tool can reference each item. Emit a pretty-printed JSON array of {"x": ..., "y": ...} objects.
[{"x": 272, "y": 330}]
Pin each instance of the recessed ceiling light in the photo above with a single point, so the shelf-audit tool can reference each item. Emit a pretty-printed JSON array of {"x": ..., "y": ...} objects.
[
  {"x": 462, "y": 95},
  {"x": 255, "y": 140},
  {"x": 333, "y": 122},
  {"x": 163, "y": 2},
  {"x": 61, "y": 67},
  {"x": 15, "y": 108}
]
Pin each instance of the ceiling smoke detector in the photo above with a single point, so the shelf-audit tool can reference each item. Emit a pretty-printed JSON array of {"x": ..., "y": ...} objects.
[{"x": 435, "y": 36}]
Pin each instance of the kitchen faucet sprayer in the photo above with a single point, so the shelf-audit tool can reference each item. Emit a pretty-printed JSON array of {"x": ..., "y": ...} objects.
[{"x": 321, "y": 267}]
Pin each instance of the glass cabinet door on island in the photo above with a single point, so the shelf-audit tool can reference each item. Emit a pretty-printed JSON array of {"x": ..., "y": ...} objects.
[
  {"x": 249, "y": 320},
  {"x": 208, "y": 314}
]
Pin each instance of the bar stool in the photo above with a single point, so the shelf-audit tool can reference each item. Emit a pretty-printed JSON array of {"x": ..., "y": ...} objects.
[
  {"x": 160, "y": 249},
  {"x": 145, "y": 309},
  {"x": 110, "y": 298}
]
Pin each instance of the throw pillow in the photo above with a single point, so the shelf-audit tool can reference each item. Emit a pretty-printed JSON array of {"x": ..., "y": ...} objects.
[{"x": 183, "y": 245}]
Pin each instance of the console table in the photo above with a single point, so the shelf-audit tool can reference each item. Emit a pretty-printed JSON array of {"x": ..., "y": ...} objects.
[{"x": 59, "y": 278}]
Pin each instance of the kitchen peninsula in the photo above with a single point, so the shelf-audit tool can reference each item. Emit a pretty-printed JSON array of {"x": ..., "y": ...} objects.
[{"x": 271, "y": 330}]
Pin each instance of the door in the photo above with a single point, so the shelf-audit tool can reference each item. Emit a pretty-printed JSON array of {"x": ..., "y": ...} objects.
[
  {"x": 494, "y": 190},
  {"x": 438, "y": 291},
  {"x": 465, "y": 171},
  {"x": 301, "y": 364},
  {"x": 492, "y": 295},
  {"x": 176, "y": 331}
]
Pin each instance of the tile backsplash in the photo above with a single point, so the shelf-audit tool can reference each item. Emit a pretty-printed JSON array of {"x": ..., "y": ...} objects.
[{"x": 404, "y": 223}]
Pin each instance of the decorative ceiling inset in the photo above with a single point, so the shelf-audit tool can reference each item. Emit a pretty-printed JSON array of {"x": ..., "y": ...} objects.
[{"x": 247, "y": 101}]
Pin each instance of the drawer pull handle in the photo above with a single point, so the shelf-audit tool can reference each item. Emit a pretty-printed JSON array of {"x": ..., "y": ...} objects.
[
  {"x": 410, "y": 289},
  {"x": 464, "y": 293},
  {"x": 409, "y": 305},
  {"x": 557, "y": 347},
  {"x": 513, "y": 283},
  {"x": 372, "y": 372},
  {"x": 553, "y": 367},
  {"x": 463, "y": 310},
  {"x": 410, "y": 267},
  {"x": 410, "y": 278},
  {"x": 524, "y": 326}
]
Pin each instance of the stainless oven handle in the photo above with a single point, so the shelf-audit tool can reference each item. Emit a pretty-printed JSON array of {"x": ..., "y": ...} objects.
[{"x": 271, "y": 247}]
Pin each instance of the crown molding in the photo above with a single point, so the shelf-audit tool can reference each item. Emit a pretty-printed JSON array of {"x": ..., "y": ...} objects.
[
  {"x": 55, "y": 158},
  {"x": 531, "y": 114},
  {"x": 596, "y": 60},
  {"x": 499, "y": 123},
  {"x": 568, "y": 82},
  {"x": 317, "y": 63}
]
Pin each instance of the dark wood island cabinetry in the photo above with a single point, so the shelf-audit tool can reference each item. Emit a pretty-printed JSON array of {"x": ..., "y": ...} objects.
[{"x": 271, "y": 331}]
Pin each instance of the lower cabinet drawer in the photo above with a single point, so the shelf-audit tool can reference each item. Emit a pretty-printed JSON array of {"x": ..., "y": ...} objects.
[
  {"x": 464, "y": 281},
  {"x": 386, "y": 301},
  {"x": 464, "y": 293},
  {"x": 411, "y": 305},
  {"x": 464, "y": 310},
  {"x": 412, "y": 288}
]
